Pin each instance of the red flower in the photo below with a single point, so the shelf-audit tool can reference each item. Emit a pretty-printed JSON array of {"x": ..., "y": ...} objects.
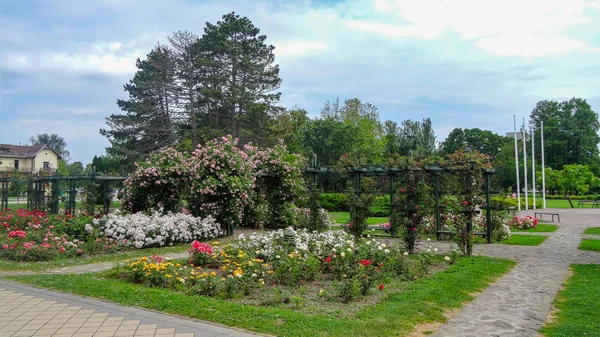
[
  {"x": 328, "y": 259},
  {"x": 381, "y": 287},
  {"x": 403, "y": 190},
  {"x": 366, "y": 262},
  {"x": 465, "y": 202},
  {"x": 62, "y": 249}
]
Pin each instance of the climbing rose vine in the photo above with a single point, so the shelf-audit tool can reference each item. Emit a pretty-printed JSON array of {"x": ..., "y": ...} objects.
[
  {"x": 220, "y": 180},
  {"x": 279, "y": 179},
  {"x": 156, "y": 183}
]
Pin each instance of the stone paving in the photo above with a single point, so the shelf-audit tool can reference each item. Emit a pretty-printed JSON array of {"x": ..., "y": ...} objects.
[
  {"x": 519, "y": 302},
  {"x": 29, "y": 311}
]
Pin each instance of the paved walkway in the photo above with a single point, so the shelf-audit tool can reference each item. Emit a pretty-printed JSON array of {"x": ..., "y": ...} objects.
[
  {"x": 29, "y": 311},
  {"x": 519, "y": 302}
]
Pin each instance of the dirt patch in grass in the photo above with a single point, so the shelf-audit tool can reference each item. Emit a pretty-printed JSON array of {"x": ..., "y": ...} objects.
[
  {"x": 427, "y": 329},
  {"x": 553, "y": 313}
]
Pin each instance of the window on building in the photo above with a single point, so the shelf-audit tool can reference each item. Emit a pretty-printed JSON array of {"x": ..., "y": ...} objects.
[
  {"x": 16, "y": 164},
  {"x": 46, "y": 165}
]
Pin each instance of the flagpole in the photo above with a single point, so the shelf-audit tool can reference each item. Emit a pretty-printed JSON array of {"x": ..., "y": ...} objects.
[
  {"x": 533, "y": 165},
  {"x": 543, "y": 166},
  {"x": 525, "y": 165},
  {"x": 517, "y": 163}
]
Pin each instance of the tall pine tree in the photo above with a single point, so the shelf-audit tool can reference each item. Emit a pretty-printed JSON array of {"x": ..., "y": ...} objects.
[{"x": 151, "y": 110}]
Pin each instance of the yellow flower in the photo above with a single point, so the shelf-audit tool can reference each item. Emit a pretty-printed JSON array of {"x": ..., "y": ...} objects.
[
  {"x": 224, "y": 268},
  {"x": 213, "y": 274},
  {"x": 168, "y": 276},
  {"x": 270, "y": 272}
]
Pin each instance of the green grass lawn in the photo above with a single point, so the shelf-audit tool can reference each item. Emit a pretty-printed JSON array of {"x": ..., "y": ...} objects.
[
  {"x": 343, "y": 218},
  {"x": 578, "y": 305},
  {"x": 590, "y": 244},
  {"x": 592, "y": 231},
  {"x": 6, "y": 265},
  {"x": 422, "y": 301},
  {"x": 541, "y": 228},
  {"x": 559, "y": 203},
  {"x": 518, "y": 240}
]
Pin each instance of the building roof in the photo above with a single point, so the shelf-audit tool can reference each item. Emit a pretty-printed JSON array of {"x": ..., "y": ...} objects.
[{"x": 27, "y": 151}]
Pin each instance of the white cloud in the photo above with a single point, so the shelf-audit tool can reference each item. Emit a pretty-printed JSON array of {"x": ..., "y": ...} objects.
[
  {"x": 527, "y": 28},
  {"x": 531, "y": 46}
]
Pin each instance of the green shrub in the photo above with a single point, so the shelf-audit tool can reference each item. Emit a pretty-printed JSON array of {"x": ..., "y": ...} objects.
[
  {"x": 503, "y": 203},
  {"x": 334, "y": 202},
  {"x": 381, "y": 206}
]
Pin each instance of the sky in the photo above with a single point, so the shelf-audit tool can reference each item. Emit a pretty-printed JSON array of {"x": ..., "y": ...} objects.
[{"x": 462, "y": 63}]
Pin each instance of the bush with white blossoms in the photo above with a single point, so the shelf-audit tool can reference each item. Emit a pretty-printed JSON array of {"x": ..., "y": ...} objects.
[
  {"x": 302, "y": 218},
  {"x": 140, "y": 230}
]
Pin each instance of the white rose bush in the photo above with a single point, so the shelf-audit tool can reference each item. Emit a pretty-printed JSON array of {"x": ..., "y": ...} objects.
[{"x": 156, "y": 230}]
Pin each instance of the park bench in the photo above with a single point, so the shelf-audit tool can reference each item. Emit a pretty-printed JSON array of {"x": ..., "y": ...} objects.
[
  {"x": 379, "y": 227},
  {"x": 512, "y": 210},
  {"x": 539, "y": 215},
  {"x": 582, "y": 203}
]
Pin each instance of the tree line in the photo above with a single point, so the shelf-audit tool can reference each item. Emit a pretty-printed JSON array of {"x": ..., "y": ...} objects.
[{"x": 199, "y": 87}]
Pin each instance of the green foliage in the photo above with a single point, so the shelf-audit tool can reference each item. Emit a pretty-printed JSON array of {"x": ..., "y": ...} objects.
[
  {"x": 484, "y": 141},
  {"x": 410, "y": 138},
  {"x": 360, "y": 206},
  {"x": 279, "y": 180},
  {"x": 503, "y": 203},
  {"x": 577, "y": 179},
  {"x": 335, "y": 202},
  {"x": 570, "y": 132},
  {"x": 56, "y": 142},
  {"x": 196, "y": 89},
  {"x": 407, "y": 209}
]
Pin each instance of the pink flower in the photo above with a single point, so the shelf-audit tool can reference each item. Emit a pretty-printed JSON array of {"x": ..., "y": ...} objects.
[{"x": 5, "y": 246}]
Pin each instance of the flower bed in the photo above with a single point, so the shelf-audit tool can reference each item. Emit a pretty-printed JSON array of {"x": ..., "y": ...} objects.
[
  {"x": 523, "y": 222},
  {"x": 37, "y": 236},
  {"x": 329, "y": 266},
  {"x": 140, "y": 230}
]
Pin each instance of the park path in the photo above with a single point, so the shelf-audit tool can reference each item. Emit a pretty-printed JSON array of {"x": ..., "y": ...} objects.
[
  {"x": 519, "y": 302},
  {"x": 29, "y": 311}
]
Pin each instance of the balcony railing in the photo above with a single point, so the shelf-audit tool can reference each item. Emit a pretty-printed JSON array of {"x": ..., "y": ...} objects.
[{"x": 25, "y": 169}]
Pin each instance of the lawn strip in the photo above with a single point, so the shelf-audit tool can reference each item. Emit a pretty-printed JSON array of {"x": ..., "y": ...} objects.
[{"x": 577, "y": 304}]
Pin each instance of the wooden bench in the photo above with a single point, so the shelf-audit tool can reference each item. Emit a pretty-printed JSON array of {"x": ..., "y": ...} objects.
[
  {"x": 539, "y": 215},
  {"x": 582, "y": 203}
]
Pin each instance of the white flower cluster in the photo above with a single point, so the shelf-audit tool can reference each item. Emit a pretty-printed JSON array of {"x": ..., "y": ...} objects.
[
  {"x": 140, "y": 230},
  {"x": 319, "y": 244}
]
